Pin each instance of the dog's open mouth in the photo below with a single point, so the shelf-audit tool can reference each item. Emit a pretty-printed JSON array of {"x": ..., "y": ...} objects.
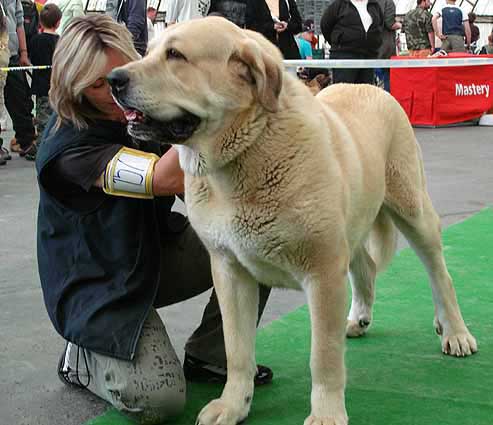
[{"x": 176, "y": 130}]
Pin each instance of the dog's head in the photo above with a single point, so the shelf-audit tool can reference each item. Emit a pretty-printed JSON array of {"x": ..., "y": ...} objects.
[{"x": 197, "y": 79}]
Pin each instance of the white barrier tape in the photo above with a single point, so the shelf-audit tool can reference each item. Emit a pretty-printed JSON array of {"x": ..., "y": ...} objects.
[
  {"x": 388, "y": 63},
  {"x": 23, "y": 68}
]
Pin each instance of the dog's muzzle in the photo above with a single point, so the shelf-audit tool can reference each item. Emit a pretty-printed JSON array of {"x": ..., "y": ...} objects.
[{"x": 143, "y": 126}]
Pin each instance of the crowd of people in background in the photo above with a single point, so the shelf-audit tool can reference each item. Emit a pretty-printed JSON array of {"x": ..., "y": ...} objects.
[{"x": 354, "y": 29}]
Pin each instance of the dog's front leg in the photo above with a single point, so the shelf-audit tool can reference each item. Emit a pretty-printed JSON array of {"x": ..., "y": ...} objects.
[
  {"x": 326, "y": 294},
  {"x": 237, "y": 293}
]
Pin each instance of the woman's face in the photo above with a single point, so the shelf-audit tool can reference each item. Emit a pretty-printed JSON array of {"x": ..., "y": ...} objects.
[{"x": 99, "y": 93}]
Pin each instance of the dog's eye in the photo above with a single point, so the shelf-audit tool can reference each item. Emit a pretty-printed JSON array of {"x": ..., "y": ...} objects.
[{"x": 174, "y": 54}]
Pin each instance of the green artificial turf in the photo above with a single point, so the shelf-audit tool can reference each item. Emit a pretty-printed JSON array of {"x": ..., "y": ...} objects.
[{"x": 396, "y": 375}]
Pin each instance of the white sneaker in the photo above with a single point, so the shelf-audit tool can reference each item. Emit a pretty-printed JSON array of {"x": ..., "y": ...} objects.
[{"x": 73, "y": 367}]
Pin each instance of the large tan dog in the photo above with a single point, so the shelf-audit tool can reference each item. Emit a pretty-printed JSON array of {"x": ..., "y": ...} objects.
[{"x": 290, "y": 190}]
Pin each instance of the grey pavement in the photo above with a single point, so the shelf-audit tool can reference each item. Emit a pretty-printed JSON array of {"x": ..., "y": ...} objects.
[{"x": 458, "y": 163}]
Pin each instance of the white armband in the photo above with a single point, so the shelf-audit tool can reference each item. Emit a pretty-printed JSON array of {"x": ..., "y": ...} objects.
[{"x": 130, "y": 173}]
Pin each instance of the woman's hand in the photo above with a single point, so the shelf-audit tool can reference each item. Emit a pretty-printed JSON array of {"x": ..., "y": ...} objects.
[{"x": 280, "y": 26}]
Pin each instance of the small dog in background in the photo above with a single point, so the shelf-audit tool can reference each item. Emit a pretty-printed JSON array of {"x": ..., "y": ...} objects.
[
  {"x": 315, "y": 79},
  {"x": 318, "y": 83}
]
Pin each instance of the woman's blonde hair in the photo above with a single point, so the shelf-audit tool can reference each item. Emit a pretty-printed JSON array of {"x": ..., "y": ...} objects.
[{"x": 79, "y": 59}]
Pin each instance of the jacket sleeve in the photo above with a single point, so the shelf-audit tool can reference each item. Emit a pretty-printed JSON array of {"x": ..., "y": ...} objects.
[
  {"x": 212, "y": 7},
  {"x": 329, "y": 20},
  {"x": 388, "y": 11},
  {"x": 404, "y": 24},
  {"x": 19, "y": 14},
  {"x": 254, "y": 19},
  {"x": 294, "y": 23},
  {"x": 136, "y": 17}
]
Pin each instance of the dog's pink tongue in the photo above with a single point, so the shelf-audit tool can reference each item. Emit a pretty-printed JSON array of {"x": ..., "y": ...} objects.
[{"x": 132, "y": 115}]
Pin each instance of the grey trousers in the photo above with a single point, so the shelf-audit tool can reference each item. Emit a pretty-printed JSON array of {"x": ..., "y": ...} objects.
[
  {"x": 151, "y": 387},
  {"x": 454, "y": 43}
]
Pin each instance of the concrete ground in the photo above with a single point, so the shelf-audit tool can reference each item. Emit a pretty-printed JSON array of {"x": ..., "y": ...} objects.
[{"x": 458, "y": 165}]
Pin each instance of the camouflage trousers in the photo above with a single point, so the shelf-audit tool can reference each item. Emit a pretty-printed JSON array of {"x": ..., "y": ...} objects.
[{"x": 43, "y": 113}]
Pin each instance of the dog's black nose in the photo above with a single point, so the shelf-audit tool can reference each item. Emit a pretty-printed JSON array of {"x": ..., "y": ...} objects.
[{"x": 118, "y": 79}]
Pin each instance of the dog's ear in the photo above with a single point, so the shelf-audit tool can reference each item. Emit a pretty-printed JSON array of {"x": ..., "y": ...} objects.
[{"x": 261, "y": 71}]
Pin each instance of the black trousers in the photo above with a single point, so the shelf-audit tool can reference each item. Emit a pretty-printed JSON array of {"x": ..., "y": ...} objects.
[
  {"x": 19, "y": 103},
  {"x": 185, "y": 273},
  {"x": 352, "y": 75}
]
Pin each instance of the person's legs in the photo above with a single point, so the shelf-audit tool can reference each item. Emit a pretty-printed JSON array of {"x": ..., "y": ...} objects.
[
  {"x": 457, "y": 43},
  {"x": 344, "y": 75},
  {"x": 386, "y": 79},
  {"x": 19, "y": 106},
  {"x": 447, "y": 45},
  {"x": 207, "y": 342},
  {"x": 150, "y": 388},
  {"x": 186, "y": 272},
  {"x": 351, "y": 75},
  {"x": 185, "y": 268},
  {"x": 4, "y": 153},
  {"x": 367, "y": 76},
  {"x": 43, "y": 113}
]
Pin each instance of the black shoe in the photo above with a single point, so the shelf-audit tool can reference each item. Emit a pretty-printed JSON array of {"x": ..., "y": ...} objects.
[
  {"x": 3, "y": 161},
  {"x": 4, "y": 154},
  {"x": 68, "y": 374},
  {"x": 196, "y": 370}
]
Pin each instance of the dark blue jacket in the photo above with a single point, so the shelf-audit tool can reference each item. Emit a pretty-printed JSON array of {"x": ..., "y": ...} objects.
[
  {"x": 99, "y": 268},
  {"x": 134, "y": 14}
]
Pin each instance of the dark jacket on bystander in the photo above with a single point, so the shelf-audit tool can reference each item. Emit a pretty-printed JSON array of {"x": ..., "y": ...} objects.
[
  {"x": 342, "y": 27},
  {"x": 133, "y": 13},
  {"x": 259, "y": 18}
]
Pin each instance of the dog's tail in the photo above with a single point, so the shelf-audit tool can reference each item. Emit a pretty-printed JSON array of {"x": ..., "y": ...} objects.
[{"x": 382, "y": 242}]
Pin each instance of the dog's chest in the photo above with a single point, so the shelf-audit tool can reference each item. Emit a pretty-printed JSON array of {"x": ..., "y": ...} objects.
[{"x": 249, "y": 234}]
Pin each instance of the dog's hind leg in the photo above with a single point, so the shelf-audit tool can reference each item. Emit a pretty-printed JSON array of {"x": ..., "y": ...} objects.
[
  {"x": 422, "y": 229},
  {"x": 362, "y": 277},
  {"x": 408, "y": 202},
  {"x": 238, "y": 296}
]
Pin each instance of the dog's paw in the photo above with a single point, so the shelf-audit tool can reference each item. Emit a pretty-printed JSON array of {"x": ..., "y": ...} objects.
[
  {"x": 456, "y": 342},
  {"x": 217, "y": 412},
  {"x": 356, "y": 328},
  {"x": 460, "y": 344},
  {"x": 330, "y": 420}
]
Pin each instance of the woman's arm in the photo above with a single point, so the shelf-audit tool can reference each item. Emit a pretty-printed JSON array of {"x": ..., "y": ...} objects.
[{"x": 167, "y": 177}]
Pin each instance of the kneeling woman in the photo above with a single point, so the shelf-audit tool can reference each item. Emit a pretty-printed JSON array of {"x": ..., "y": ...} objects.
[{"x": 110, "y": 251}]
